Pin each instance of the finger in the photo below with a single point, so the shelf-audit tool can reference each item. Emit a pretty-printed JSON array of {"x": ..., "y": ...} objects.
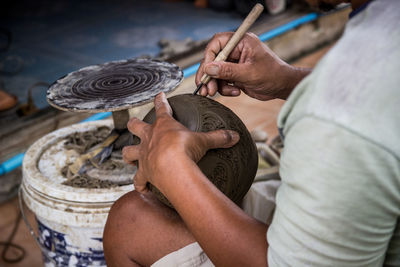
[
  {"x": 162, "y": 106},
  {"x": 204, "y": 90},
  {"x": 140, "y": 183},
  {"x": 217, "y": 43},
  {"x": 228, "y": 71},
  {"x": 226, "y": 89},
  {"x": 137, "y": 127},
  {"x": 212, "y": 87},
  {"x": 130, "y": 153},
  {"x": 220, "y": 138},
  {"x": 199, "y": 73}
]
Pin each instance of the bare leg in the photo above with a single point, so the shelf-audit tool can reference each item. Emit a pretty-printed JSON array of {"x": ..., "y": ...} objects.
[{"x": 140, "y": 230}]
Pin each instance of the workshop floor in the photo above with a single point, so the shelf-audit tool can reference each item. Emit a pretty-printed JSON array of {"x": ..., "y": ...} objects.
[{"x": 255, "y": 114}]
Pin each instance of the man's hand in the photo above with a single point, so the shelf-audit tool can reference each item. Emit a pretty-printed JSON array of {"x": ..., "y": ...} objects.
[
  {"x": 251, "y": 67},
  {"x": 165, "y": 143}
]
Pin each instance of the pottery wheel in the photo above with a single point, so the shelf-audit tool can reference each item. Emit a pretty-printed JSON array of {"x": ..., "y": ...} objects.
[{"x": 113, "y": 86}]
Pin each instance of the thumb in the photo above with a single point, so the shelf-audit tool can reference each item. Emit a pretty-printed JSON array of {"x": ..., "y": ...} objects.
[
  {"x": 220, "y": 138},
  {"x": 227, "y": 71},
  {"x": 139, "y": 183}
]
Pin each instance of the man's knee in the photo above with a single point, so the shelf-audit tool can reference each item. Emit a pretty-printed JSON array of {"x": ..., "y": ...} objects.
[
  {"x": 122, "y": 214},
  {"x": 142, "y": 229},
  {"x": 125, "y": 209}
]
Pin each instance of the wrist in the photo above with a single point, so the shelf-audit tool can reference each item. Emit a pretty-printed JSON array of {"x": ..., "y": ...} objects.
[
  {"x": 291, "y": 76},
  {"x": 166, "y": 168}
]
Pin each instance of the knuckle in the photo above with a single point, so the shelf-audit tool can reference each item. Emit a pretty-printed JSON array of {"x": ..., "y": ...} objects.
[
  {"x": 161, "y": 119},
  {"x": 180, "y": 135},
  {"x": 178, "y": 138},
  {"x": 209, "y": 54},
  {"x": 252, "y": 76},
  {"x": 218, "y": 35},
  {"x": 224, "y": 34},
  {"x": 217, "y": 38},
  {"x": 200, "y": 69},
  {"x": 228, "y": 72},
  {"x": 251, "y": 35},
  {"x": 125, "y": 151},
  {"x": 158, "y": 101},
  {"x": 163, "y": 108},
  {"x": 137, "y": 178},
  {"x": 158, "y": 104},
  {"x": 132, "y": 122}
]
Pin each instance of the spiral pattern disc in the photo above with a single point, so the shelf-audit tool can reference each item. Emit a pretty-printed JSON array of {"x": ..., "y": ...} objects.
[{"x": 113, "y": 86}]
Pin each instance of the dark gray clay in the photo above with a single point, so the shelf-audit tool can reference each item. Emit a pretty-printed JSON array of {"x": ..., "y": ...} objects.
[
  {"x": 114, "y": 86},
  {"x": 233, "y": 169}
]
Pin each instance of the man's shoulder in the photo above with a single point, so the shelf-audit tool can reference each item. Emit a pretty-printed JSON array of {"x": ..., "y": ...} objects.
[{"x": 357, "y": 84}]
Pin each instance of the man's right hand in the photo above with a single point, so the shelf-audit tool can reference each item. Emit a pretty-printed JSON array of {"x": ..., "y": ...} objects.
[{"x": 251, "y": 67}]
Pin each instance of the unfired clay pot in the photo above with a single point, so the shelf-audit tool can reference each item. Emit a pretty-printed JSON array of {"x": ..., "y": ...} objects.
[{"x": 233, "y": 169}]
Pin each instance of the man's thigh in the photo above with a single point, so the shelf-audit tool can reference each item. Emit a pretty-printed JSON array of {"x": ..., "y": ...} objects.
[{"x": 140, "y": 230}]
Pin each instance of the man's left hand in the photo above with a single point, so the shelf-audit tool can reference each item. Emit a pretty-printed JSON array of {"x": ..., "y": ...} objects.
[{"x": 166, "y": 142}]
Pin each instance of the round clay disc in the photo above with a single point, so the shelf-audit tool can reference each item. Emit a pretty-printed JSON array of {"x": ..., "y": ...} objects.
[{"x": 113, "y": 86}]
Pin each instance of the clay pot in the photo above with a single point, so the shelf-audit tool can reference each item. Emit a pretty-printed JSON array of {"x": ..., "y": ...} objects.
[{"x": 231, "y": 170}]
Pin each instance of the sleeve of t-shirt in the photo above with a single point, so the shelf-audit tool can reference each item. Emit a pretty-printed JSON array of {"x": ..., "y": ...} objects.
[{"x": 339, "y": 201}]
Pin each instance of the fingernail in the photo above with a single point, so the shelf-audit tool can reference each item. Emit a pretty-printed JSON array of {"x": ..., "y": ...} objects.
[
  {"x": 212, "y": 70},
  {"x": 234, "y": 136},
  {"x": 235, "y": 92}
]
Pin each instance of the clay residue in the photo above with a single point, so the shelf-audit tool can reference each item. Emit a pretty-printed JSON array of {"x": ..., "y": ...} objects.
[
  {"x": 82, "y": 141},
  {"x": 85, "y": 181},
  {"x": 111, "y": 173}
]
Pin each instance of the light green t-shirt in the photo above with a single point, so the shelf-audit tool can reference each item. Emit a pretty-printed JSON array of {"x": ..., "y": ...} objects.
[{"x": 339, "y": 202}]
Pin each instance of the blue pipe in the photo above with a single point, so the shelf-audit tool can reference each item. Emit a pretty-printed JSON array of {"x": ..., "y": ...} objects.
[
  {"x": 189, "y": 71},
  {"x": 97, "y": 116},
  {"x": 11, "y": 164},
  {"x": 287, "y": 27},
  {"x": 16, "y": 161}
]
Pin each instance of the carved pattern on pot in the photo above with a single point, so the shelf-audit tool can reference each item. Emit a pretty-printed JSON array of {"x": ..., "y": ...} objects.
[{"x": 231, "y": 170}]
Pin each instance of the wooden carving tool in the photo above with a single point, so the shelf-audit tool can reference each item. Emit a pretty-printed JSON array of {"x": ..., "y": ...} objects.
[{"x": 236, "y": 37}]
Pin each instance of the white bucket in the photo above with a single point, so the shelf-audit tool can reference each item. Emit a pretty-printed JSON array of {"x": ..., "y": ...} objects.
[{"x": 71, "y": 220}]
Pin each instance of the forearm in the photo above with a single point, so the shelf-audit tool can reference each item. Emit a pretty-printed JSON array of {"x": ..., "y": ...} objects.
[{"x": 228, "y": 235}]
